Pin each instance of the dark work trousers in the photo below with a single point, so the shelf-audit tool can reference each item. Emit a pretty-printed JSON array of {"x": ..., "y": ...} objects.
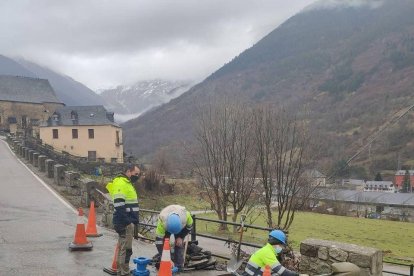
[
  {"x": 125, "y": 248},
  {"x": 178, "y": 250}
]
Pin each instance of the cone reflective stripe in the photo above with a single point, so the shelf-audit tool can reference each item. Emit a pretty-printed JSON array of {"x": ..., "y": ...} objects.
[
  {"x": 91, "y": 227},
  {"x": 80, "y": 242},
  {"x": 113, "y": 270},
  {"x": 165, "y": 264},
  {"x": 266, "y": 272}
]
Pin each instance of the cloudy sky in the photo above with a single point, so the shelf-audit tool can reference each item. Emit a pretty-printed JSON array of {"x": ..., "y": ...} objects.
[{"x": 103, "y": 43}]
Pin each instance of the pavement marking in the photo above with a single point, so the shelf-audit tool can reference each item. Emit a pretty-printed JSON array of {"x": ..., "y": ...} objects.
[{"x": 60, "y": 198}]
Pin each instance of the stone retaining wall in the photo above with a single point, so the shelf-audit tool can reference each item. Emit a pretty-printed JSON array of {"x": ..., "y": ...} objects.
[{"x": 318, "y": 255}]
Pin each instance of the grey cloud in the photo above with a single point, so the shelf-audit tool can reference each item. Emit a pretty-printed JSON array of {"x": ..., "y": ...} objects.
[
  {"x": 328, "y": 4},
  {"x": 103, "y": 42}
]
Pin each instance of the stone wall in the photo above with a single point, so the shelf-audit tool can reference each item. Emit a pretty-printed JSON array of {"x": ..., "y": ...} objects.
[{"x": 318, "y": 255}]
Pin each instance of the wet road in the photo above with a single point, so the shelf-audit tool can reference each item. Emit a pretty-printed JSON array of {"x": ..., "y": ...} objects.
[{"x": 36, "y": 226}]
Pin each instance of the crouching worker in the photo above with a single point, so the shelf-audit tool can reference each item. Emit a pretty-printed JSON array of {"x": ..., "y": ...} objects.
[
  {"x": 267, "y": 256},
  {"x": 174, "y": 220}
]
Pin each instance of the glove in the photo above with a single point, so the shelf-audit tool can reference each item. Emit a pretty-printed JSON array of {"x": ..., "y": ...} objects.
[
  {"x": 136, "y": 236},
  {"x": 303, "y": 275}
]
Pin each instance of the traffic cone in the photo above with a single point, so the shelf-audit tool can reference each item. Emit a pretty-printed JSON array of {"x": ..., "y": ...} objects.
[
  {"x": 266, "y": 272},
  {"x": 165, "y": 264},
  {"x": 113, "y": 270},
  {"x": 91, "y": 227},
  {"x": 80, "y": 242}
]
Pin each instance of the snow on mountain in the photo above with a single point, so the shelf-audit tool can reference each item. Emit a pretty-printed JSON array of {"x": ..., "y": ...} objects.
[{"x": 130, "y": 101}]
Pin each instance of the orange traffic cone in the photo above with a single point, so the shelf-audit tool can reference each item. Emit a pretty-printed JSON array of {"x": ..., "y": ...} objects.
[
  {"x": 113, "y": 270},
  {"x": 266, "y": 272},
  {"x": 91, "y": 227},
  {"x": 165, "y": 264},
  {"x": 80, "y": 242}
]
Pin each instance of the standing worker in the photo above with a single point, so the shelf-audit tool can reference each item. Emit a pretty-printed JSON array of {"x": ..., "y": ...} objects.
[
  {"x": 176, "y": 220},
  {"x": 267, "y": 256},
  {"x": 125, "y": 218}
]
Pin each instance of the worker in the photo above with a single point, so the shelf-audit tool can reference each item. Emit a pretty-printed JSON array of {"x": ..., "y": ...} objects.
[
  {"x": 174, "y": 220},
  {"x": 267, "y": 255},
  {"x": 125, "y": 217}
]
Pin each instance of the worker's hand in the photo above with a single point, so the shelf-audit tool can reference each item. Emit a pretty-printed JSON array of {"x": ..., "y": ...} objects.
[{"x": 179, "y": 242}]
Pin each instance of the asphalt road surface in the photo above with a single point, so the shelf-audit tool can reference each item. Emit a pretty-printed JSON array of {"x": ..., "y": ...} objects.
[{"x": 36, "y": 226}]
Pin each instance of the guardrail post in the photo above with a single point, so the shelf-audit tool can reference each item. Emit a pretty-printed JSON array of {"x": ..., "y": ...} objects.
[
  {"x": 412, "y": 270},
  {"x": 193, "y": 230}
]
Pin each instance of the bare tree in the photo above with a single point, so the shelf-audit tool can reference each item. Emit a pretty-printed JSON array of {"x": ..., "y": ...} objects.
[
  {"x": 224, "y": 160},
  {"x": 281, "y": 145}
]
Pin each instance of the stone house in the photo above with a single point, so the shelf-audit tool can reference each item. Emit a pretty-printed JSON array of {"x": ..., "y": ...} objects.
[
  {"x": 84, "y": 131},
  {"x": 24, "y": 102}
]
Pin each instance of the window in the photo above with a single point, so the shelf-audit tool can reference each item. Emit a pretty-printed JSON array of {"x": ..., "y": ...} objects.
[
  {"x": 91, "y": 133},
  {"x": 117, "y": 138},
  {"x": 74, "y": 133},
  {"x": 91, "y": 155},
  {"x": 55, "y": 134}
]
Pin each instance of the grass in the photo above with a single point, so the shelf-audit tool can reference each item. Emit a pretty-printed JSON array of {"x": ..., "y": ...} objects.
[
  {"x": 191, "y": 202},
  {"x": 395, "y": 239}
]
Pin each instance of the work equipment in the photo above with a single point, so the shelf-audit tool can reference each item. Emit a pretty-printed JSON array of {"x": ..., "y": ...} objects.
[
  {"x": 114, "y": 268},
  {"x": 174, "y": 224},
  {"x": 267, "y": 271},
  {"x": 278, "y": 235},
  {"x": 80, "y": 242},
  {"x": 235, "y": 261},
  {"x": 165, "y": 264},
  {"x": 141, "y": 269},
  {"x": 91, "y": 230}
]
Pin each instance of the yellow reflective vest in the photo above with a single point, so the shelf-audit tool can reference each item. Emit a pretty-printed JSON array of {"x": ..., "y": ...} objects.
[{"x": 125, "y": 199}]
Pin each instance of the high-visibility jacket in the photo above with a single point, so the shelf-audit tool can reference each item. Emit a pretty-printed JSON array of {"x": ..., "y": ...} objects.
[
  {"x": 266, "y": 256},
  {"x": 185, "y": 217},
  {"x": 125, "y": 199}
]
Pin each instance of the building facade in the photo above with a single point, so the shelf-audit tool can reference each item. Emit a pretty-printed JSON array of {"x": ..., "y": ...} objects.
[
  {"x": 399, "y": 178},
  {"x": 84, "y": 131},
  {"x": 24, "y": 103}
]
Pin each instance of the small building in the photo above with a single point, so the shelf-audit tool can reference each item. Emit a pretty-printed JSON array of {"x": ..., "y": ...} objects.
[
  {"x": 399, "y": 178},
  {"x": 316, "y": 177},
  {"x": 84, "y": 131},
  {"x": 24, "y": 102},
  {"x": 379, "y": 186}
]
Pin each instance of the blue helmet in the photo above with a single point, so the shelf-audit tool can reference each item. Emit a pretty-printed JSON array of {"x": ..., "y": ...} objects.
[
  {"x": 174, "y": 223},
  {"x": 278, "y": 235}
]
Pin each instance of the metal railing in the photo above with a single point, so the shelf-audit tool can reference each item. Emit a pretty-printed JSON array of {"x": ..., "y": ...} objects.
[
  {"x": 194, "y": 236},
  {"x": 410, "y": 266}
]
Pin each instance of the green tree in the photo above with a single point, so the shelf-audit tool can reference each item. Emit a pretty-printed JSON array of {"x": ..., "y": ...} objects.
[
  {"x": 406, "y": 188},
  {"x": 378, "y": 177}
]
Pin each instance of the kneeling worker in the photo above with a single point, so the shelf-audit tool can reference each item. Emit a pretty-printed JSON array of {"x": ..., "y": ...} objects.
[
  {"x": 176, "y": 220},
  {"x": 267, "y": 256}
]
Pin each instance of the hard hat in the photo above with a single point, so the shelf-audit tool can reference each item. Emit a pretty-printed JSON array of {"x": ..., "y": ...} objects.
[
  {"x": 174, "y": 223},
  {"x": 278, "y": 235}
]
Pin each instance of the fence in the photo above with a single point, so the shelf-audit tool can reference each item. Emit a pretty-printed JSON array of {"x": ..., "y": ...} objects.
[{"x": 194, "y": 236}]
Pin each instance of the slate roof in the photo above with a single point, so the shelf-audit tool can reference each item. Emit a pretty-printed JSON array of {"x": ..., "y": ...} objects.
[
  {"x": 95, "y": 115},
  {"x": 380, "y": 198},
  {"x": 27, "y": 90}
]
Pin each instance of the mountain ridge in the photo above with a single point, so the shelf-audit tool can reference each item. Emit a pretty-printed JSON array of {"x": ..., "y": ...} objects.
[{"x": 352, "y": 67}]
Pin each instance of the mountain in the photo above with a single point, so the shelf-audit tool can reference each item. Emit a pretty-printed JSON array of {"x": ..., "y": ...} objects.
[
  {"x": 131, "y": 101},
  {"x": 11, "y": 67},
  {"x": 352, "y": 67},
  {"x": 69, "y": 91}
]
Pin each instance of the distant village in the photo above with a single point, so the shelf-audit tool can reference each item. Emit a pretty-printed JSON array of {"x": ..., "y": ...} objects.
[{"x": 29, "y": 107}]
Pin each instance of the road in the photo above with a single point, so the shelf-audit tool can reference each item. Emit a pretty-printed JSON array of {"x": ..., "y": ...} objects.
[{"x": 36, "y": 226}]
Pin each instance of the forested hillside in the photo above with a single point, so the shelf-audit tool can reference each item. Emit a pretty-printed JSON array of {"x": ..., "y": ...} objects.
[{"x": 351, "y": 68}]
